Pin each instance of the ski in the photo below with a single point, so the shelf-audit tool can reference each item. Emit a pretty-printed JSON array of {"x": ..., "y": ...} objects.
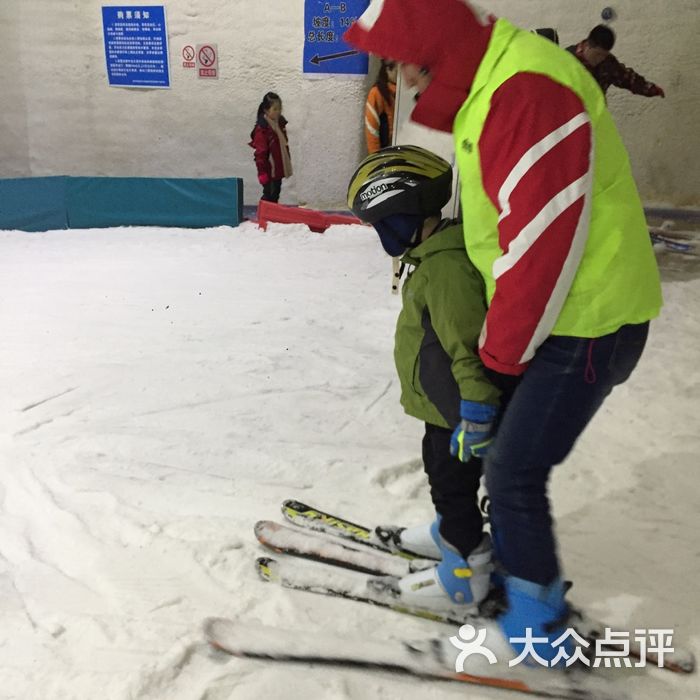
[
  {"x": 360, "y": 588},
  {"x": 685, "y": 242},
  {"x": 311, "y": 518},
  {"x": 315, "y": 547},
  {"x": 674, "y": 244},
  {"x": 430, "y": 659},
  {"x": 382, "y": 591}
]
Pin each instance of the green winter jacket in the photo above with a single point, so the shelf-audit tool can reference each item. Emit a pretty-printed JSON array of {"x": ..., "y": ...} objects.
[{"x": 437, "y": 332}]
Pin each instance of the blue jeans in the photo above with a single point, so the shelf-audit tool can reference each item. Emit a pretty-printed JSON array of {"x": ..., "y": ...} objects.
[{"x": 558, "y": 394}]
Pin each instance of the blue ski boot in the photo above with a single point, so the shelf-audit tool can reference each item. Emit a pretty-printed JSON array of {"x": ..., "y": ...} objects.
[{"x": 536, "y": 611}]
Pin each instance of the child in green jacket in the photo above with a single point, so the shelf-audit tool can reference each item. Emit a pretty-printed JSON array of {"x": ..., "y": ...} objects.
[{"x": 401, "y": 191}]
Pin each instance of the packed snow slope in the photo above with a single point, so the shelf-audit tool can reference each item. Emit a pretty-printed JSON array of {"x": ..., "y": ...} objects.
[{"x": 163, "y": 389}]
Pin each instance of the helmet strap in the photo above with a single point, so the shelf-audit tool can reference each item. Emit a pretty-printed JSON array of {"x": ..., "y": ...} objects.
[{"x": 397, "y": 268}]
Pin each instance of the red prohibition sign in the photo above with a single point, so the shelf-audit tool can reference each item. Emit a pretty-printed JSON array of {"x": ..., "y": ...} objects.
[
  {"x": 188, "y": 53},
  {"x": 207, "y": 55}
]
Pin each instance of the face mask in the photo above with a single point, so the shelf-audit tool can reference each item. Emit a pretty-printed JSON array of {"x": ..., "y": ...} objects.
[{"x": 398, "y": 232}]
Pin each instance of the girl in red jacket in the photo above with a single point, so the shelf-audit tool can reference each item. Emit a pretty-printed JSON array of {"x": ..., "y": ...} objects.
[{"x": 269, "y": 139}]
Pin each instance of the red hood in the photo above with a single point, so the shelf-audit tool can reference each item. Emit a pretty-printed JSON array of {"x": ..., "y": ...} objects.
[{"x": 448, "y": 37}]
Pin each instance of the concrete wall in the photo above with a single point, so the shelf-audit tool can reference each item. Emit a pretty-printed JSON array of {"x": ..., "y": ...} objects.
[{"x": 60, "y": 117}]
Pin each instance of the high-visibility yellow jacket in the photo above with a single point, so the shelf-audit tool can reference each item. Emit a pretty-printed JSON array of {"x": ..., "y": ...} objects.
[{"x": 552, "y": 217}]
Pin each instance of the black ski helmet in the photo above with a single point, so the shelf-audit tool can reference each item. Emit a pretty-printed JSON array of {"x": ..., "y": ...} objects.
[{"x": 407, "y": 180}]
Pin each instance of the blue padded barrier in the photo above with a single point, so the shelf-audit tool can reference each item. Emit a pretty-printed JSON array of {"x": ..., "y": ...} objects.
[
  {"x": 33, "y": 203},
  {"x": 40, "y": 204},
  {"x": 96, "y": 202}
]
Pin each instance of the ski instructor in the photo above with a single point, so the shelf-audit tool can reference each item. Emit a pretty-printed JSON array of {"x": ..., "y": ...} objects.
[{"x": 554, "y": 224}]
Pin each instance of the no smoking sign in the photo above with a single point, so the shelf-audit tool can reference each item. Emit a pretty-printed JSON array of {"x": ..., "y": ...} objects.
[
  {"x": 188, "y": 57},
  {"x": 207, "y": 56}
]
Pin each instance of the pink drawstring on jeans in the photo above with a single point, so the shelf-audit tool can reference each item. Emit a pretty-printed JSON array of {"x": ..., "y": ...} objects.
[{"x": 589, "y": 373}]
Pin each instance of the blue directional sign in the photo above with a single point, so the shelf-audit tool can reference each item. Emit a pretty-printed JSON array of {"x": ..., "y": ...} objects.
[
  {"x": 136, "y": 46},
  {"x": 324, "y": 26}
]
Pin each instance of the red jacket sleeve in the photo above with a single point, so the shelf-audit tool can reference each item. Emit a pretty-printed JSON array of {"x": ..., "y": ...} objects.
[
  {"x": 262, "y": 151},
  {"x": 536, "y": 155}
]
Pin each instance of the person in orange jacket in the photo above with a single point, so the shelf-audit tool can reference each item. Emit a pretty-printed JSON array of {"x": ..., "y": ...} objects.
[
  {"x": 379, "y": 108},
  {"x": 269, "y": 139}
]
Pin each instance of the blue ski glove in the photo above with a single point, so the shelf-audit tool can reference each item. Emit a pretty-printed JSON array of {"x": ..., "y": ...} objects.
[{"x": 471, "y": 438}]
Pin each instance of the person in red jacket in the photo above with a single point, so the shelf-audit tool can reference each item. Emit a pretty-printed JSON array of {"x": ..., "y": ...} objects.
[{"x": 269, "y": 139}]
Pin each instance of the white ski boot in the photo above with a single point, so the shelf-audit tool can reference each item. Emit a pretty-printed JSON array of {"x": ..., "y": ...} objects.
[
  {"x": 421, "y": 540},
  {"x": 454, "y": 582}
]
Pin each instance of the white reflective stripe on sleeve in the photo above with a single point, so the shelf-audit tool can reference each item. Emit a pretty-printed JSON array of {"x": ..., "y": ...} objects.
[
  {"x": 483, "y": 335},
  {"x": 530, "y": 233},
  {"x": 370, "y": 108},
  {"x": 532, "y": 156},
  {"x": 372, "y": 128},
  {"x": 556, "y": 300}
]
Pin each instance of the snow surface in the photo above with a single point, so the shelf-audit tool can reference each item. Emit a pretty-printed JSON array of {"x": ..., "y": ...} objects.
[{"x": 164, "y": 389}]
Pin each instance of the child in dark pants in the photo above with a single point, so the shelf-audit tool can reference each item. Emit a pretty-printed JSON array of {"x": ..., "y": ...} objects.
[
  {"x": 269, "y": 139},
  {"x": 401, "y": 192}
]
